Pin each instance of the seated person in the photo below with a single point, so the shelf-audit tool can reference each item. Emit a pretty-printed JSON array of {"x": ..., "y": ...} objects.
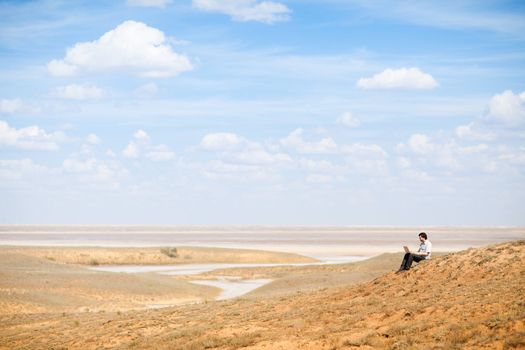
[{"x": 424, "y": 252}]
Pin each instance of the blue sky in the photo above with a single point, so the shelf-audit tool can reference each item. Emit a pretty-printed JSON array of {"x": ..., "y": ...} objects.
[{"x": 262, "y": 112}]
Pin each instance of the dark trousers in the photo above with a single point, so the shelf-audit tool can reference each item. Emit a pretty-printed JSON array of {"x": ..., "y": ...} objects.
[{"x": 408, "y": 259}]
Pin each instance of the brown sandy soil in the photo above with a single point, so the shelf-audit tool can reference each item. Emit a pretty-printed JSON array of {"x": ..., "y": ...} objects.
[
  {"x": 154, "y": 256},
  {"x": 32, "y": 285},
  {"x": 290, "y": 279},
  {"x": 467, "y": 300},
  {"x": 36, "y": 280}
]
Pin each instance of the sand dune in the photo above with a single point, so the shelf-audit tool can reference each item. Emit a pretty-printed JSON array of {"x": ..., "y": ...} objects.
[{"x": 470, "y": 299}]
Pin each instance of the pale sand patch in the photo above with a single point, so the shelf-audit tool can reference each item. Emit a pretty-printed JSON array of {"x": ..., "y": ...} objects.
[{"x": 232, "y": 288}]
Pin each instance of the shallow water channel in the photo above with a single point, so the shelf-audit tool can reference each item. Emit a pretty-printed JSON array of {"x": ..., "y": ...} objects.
[{"x": 231, "y": 287}]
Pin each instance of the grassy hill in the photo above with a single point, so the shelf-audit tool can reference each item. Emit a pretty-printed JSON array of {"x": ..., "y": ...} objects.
[{"x": 471, "y": 299}]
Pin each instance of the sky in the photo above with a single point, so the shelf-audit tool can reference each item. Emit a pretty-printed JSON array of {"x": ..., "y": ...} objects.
[{"x": 282, "y": 112}]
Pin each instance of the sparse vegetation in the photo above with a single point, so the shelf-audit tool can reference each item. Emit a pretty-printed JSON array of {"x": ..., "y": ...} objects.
[{"x": 171, "y": 252}]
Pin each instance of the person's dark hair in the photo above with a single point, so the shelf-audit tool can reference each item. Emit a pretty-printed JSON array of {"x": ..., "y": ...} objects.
[{"x": 423, "y": 234}]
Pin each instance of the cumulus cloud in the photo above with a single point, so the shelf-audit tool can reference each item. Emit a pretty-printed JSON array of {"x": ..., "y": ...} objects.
[
  {"x": 93, "y": 139},
  {"x": 420, "y": 144},
  {"x": 246, "y": 10},
  {"x": 260, "y": 156},
  {"x": 295, "y": 141},
  {"x": 32, "y": 137},
  {"x": 514, "y": 157},
  {"x": 95, "y": 172},
  {"x": 18, "y": 169},
  {"x": 437, "y": 152},
  {"x": 10, "y": 106},
  {"x": 149, "y": 3},
  {"x": 507, "y": 108},
  {"x": 131, "y": 150},
  {"x": 403, "y": 78},
  {"x": 370, "y": 151},
  {"x": 141, "y": 135},
  {"x": 473, "y": 131},
  {"x": 223, "y": 141},
  {"x": 132, "y": 46},
  {"x": 237, "y": 149},
  {"x": 160, "y": 153},
  {"x": 78, "y": 92},
  {"x": 141, "y": 144},
  {"x": 348, "y": 119}
]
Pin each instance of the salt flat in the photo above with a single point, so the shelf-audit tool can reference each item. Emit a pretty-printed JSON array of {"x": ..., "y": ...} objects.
[{"x": 305, "y": 240}]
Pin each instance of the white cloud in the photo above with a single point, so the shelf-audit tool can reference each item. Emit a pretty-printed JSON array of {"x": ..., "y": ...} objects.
[
  {"x": 141, "y": 144},
  {"x": 438, "y": 153},
  {"x": 141, "y": 135},
  {"x": 348, "y": 119},
  {"x": 507, "y": 108},
  {"x": 130, "y": 46},
  {"x": 473, "y": 131},
  {"x": 221, "y": 141},
  {"x": 93, "y": 139},
  {"x": 365, "y": 150},
  {"x": 260, "y": 156},
  {"x": 95, "y": 172},
  {"x": 239, "y": 150},
  {"x": 149, "y": 3},
  {"x": 247, "y": 10},
  {"x": 131, "y": 151},
  {"x": 516, "y": 157},
  {"x": 295, "y": 141},
  {"x": 160, "y": 153},
  {"x": 403, "y": 78},
  {"x": 17, "y": 169},
  {"x": 78, "y": 92},
  {"x": 10, "y": 106},
  {"x": 77, "y": 166},
  {"x": 421, "y": 144},
  {"x": 417, "y": 175},
  {"x": 32, "y": 137}
]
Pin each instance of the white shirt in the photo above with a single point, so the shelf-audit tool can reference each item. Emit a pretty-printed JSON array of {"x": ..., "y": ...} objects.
[{"x": 425, "y": 247}]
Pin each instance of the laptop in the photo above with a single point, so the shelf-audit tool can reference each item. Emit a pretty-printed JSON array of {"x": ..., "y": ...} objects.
[{"x": 406, "y": 249}]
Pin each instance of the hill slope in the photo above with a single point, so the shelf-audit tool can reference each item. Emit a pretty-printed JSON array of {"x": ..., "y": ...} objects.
[{"x": 470, "y": 299}]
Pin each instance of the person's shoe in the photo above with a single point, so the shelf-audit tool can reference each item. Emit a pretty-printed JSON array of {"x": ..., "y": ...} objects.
[{"x": 400, "y": 270}]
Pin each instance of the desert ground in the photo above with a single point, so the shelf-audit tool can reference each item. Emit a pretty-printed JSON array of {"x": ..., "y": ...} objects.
[
  {"x": 466, "y": 299},
  {"x": 46, "y": 279}
]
